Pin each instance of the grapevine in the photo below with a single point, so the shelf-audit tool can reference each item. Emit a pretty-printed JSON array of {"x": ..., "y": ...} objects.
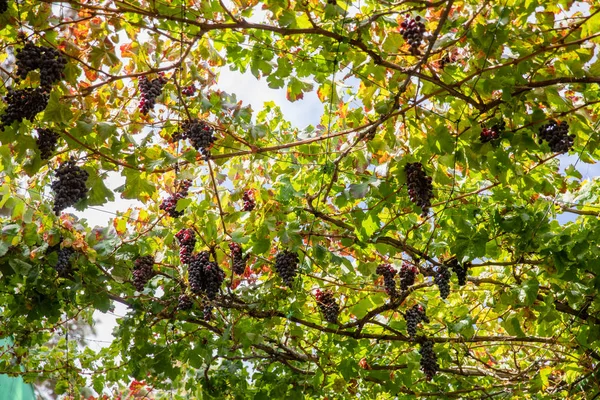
[
  {"x": 413, "y": 317},
  {"x": 49, "y": 61},
  {"x": 170, "y": 204},
  {"x": 150, "y": 90},
  {"x": 420, "y": 189},
  {"x": 557, "y": 136},
  {"x": 46, "y": 142},
  {"x": 388, "y": 273},
  {"x": 408, "y": 274},
  {"x": 412, "y": 30},
  {"x": 442, "y": 280},
  {"x": 23, "y": 104},
  {"x": 328, "y": 305},
  {"x": 429, "y": 364},
  {"x": 69, "y": 187},
  {"x": 286, "y": 265}
]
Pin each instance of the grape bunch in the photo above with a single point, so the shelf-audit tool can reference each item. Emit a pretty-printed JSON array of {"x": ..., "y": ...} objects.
[
  {"x": 205, "y": 276},
  {"x": 69, "y": 187},
  {"x": 189, "y": 90},
  {"x": 63, "y": 264},
  {"x": 170, "y": 203},
  {"x": 248, "y": 199},
  {"x": 493, "y": 133},
  {"x": 412, "y": 30},
  {"x": 286, "y": 265},
  {"x": 429, "y": 364},
  {"x": 47, "y": 59},
  {"x": 187, "y": 241},
  {"x": 557, "y": 136},
  {"x": 184, "y": 302},
  {"x": 413, "y": 317},
  {"x": 420, "y": 189},
  {"x": 46, "y": 142},
  {"x": 142, "y": 271},
  {"x": 328, "y": 305},
  {"x": 239, "y": 261},
  {"x": 388, "y": 273},
  {"x": 23, "y": 104},
  {"x": 459, "y": 270},
  {"x": 150, "y": 90},
  {"x": 3, "y": 6},
  {"x": 442, "y": 280},
  {"x": 207, "y": 314},
  {"x": 200, "y": 135},
  {"x": 408, "y": 273}
]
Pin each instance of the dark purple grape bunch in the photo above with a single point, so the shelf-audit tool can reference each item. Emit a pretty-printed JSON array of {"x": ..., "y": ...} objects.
[
  {"x": 442, "y": 280},
  {"x": 187, "y": 241},
  {"x": 286, "y": 266},
  {"x": 184, "y": 302},
  {"x": 49, "y": 61},
  {"x": 200, "y": 134},
  {"x": 429, "y": 363},
  {"x": 493, "y": 133},
  {"x": 150, "y": 90},
  {"x": 248, "y": 199},
  {"x": 23, "y": 104},
  {"x": 170, "y": 203},
  {"x": 46, "y": 142},
  {"x": 412, "y": 30},
  {"x": 189, "y": 90},
  {"x": 328, "y": 305},
  {"x": 69, "y": 186},
  {"x": 413, "y": 317},
  {"x": 388, "y": 272},
  {"x": 3, "y": 6},
  {"x": 142, "y": 271},
  {"x": 205, "y": 276},
  {"x": 420, "y": 188},
  {"x": 63, "y": 264},
  {"x": 408, "y": 273},
  {"x": 459, "y": 270},
  {"x": 239, "y": 261},
  {"x": 557, "y": 136},
  {"x": 207, "y": 313}
]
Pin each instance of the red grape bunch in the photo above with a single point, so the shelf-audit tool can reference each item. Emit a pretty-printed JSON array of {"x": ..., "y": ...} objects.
[
  {"x": 63, "y": 264},
  {"x": 248, "y": 199},
  {"x": 142, "y": 272},
  {"x": 239, "y": 261},
  {"x": 187, "y": 241},
  {"x": 328, "y": 305},
  {"x": 184, "y": 302},
  {"x": 493, "y": 133},
  {"x": 46, "y": 142},
  {"x": 557, "y": 136},
  {"x": 286, "y": 265},
  {"x": 189, "y": 90},
  {"x": 420, "y": 188},
  {"x": 388, "y": 273},
  {"x": 429, "y": 364},
  {"x": 23, "y": 104},
  {"x": 442, "y": 280},
  {"x": 412, "y": 30},
  {"x": 48, "y": 60},
  {"x": 200, "y": 134},
  {"x": 150, "y": 90},
  {"x": 70, "y": 185},
  {"x": 205, "y": 276},
  {"x": 170, "y": 203},
  {"x": 413, "y": 317},
  {"x": 459, "y": 270},
  {"x": 408, "y": 273}
]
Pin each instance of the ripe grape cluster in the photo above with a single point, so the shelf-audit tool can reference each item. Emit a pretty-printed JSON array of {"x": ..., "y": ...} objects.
[
  {"x": 187, "y": 241},
  {"x": 47, "y": 59},
  {"x": 286, "y": 265},
  {"x": 207, "y": 312},
  {"x": 412, "y": 30},
  {"x": 184, "y": 302},
  {"x": 142, "y": 271},
  {"x": 239, "y": 261},
  {"x": 407, "y": 274},
  {"x": 189, "y": 90},
  {"x": 557, "y": 136},
  {"x": 248, "y": 199},
  {"x": 493, "y": 133},
  {"x": 200, "y": 135},
  {"x": 150, "y": 90},
  {"x": 328, "y": 305},
  {"x": 205, "y": 276},
  {"x": 69, "y": 187},
  {"x": 23, "y": 104},
  {"x": 429, "y": 364},
  {"x": 442, "y": 280},
  {"x": 3, "y": 6},
  {"x": 388, "y": 273},
  {"x": 46, "y": 142},
  {"x": 170, "y": 203},
  {"x": 459, "y": 270},
  {"x": 420, "y": 189},
  {"x": 63, "y": 264},
  {"x": 413, "y": 317}
]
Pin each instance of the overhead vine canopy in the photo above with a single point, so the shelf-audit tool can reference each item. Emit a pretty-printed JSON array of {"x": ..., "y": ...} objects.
[{"x": 436, "y": 234}]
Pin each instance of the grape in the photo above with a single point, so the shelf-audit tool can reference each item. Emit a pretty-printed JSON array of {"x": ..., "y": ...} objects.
[
  {"x": 248, "y": 199},
  {"x": 189, "y": 90},
  {"x": 170, "y": 203},
  {"x": 286, "y": 265},
  {"x": 200, "y": 135},
  {"x": 557, "y": 136},
  {"x": 187, "y": 241},
  {"x": 420, "y": 189},
  {"x": 48, "y": 60},
  {"x": 413, "y": 317},
  {"x": 459, "y": 270},
  {"x": 205, "y": 276},
  {"x": 429, "y": 364},
  {"x": 239, "y": 262},
  {"x": 408, "y": 274},
  {"x": 493, "y": 133},
  {"x": 388, "y": 273},
  {"x": 23, "y": 104},
  {"x": 442, "y": 280},
  {"x": 3, "y": 6},
  {"x": 63, "y": 265},
  {"x": 142, "y": 272},
  {"x": 207, "y": 312},
  {"x": 69, "y": 187},
  {"x": 328, "y": 306},
  {"x": 46, "y": 142},
  {"x": 184, "y": 302},
  {"x": 412, "y": 31},
  {"x": 150, "y": 90}
]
